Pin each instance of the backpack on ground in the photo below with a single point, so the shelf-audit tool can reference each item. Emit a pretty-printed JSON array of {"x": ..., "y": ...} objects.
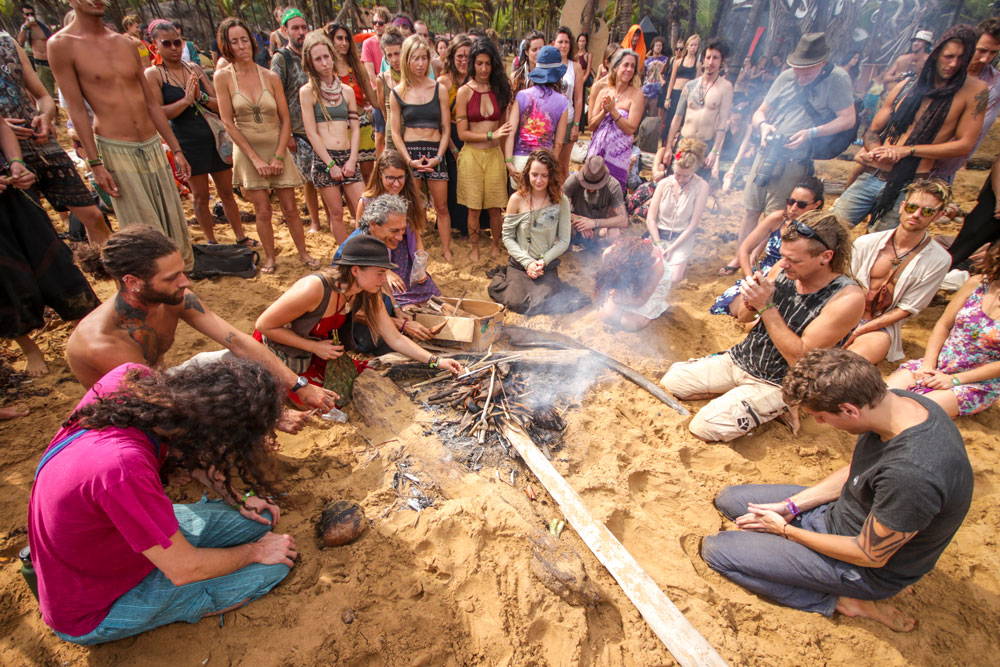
[{"x": 215, "y": 260}]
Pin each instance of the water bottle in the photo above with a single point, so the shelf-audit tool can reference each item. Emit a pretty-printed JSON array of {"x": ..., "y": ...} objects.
[
  {"x": 28, "y": 571},
  {"x": 419, "y": 271}
]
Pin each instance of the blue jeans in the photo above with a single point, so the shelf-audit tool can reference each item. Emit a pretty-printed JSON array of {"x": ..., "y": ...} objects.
[
  {"x": 785, "y": 571},
  {"x": 155, "y": 601},
  {"x": 857, "y": 201}
]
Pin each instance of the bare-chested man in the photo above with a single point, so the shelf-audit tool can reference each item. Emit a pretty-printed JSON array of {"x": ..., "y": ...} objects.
[
  {"x": 139, "y": 323},
  {"x": 36, "y": 34},
  {"x": 935, "y": 115},
  {"x": 101, "y": 68},
  {"x": 911, "y": 62},
  {"x": 704, "y": 107}
]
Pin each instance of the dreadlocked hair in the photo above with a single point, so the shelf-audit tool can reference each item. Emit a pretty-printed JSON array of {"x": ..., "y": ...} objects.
[
  {"x": 222, "y": 417},
  {"x": 925, "y": 128},
  {"x": 314, "y": 39},
  {"x": 624, "y": 268},
  {"x": 826, "y": 378},
  {"x": 132, "y": 251},
  {"x": 410, "y": 192}
]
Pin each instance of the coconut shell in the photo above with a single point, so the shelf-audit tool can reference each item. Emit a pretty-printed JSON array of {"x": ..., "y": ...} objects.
[{"x": 341, "y": 522}]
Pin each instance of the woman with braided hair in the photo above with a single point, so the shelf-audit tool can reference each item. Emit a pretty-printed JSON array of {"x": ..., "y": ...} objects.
[{"x": 114, "y": 556}]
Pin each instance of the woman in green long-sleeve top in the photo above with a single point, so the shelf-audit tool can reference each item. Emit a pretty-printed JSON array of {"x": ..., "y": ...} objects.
[{"x": 536, "y": 231}]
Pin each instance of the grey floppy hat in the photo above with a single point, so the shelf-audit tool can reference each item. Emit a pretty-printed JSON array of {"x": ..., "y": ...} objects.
[
  {"x": 365, "y": 250},
  {"x": 811, "y": 50}
]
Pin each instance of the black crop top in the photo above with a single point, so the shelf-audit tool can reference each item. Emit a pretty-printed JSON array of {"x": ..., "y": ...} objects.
[
  {"x": 427, "y": 115},
  {"x": 687, "y": 72}
]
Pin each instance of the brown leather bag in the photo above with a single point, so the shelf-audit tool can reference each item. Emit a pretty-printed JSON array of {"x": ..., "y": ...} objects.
[{"x": 877, "y": 301}]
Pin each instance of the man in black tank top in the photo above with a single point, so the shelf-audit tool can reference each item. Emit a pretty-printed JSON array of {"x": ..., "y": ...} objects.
[{"x": 805, "y": 303}]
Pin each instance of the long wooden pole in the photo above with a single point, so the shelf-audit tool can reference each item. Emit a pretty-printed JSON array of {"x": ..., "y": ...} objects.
[{"x": 681, "y": 638}]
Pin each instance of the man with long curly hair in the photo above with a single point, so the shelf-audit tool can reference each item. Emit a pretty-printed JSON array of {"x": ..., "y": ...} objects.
[
  {"x": 870, "y": 529},
  {"x": 139, "y": 324},
  {"x": 114, "y": 556}
]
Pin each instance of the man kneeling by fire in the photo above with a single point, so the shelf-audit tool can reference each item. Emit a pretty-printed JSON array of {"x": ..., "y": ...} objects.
[{"x": 870, "y": 529}]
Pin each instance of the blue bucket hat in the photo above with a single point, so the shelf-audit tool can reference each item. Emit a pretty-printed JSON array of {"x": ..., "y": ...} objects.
[{"x": 549, "y": 67}]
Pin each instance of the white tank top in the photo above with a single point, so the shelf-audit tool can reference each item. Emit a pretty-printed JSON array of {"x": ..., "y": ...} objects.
[{"x": 569, "y": 80}]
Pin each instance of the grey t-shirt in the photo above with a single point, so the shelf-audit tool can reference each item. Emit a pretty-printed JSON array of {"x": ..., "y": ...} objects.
[
  {"x": 599, "y": 204},
  {"x": 832, "y": 94},
  {"x": 921, "y": 481},
  {"x": 288, "y": 66}
]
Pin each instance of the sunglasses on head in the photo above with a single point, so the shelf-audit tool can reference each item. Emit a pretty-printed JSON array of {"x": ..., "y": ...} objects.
[
  {"x": 167, "y": 43},
  {"x": 925, "y": 211},
  {"x": 808, "y": 232},
  {"x": 797, "y": 202}
]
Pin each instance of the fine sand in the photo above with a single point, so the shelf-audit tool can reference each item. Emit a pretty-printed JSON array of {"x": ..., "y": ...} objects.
[{"x": 462, "y": 583}]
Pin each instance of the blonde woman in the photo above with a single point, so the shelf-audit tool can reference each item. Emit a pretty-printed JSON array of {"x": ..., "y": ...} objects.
[
  {"x": 421, "y": 128},
  {"x": 616, "y": 105},
  {"x": 330, "y": 117},
  {"x": 677, "y": 206},
  {"x": 253, "y": 107}
]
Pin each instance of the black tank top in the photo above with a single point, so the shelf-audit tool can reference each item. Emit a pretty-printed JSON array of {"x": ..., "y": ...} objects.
[
  {"x": 687, "y": 72},
  {"x": 427, "y": 115},
  {"x": 189, "y": 125}
]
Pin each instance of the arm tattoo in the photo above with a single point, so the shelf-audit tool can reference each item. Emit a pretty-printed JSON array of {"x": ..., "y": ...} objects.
[
  {"x": 132, "y": 320},
  {"x": 229, "y": 338},
  {"x": 982, "y": 101},
  {"x": 191, "y": 301},
  {"x": 880, "y": 548}
]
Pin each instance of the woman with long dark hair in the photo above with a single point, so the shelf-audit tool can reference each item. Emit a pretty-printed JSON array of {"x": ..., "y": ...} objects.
[
  {"x": 348, "y": 66},
  {"x": 421, "y": 127},
  {"x": 527, "y": 58},
  {"x": 183, "y": 91},
  {"x": 454, "y": 73},
  {"x": 536, "y": 231},
  {"x": 330, "y": 117},
  {"x": 481, "y": 110},
  {"x": 253, "y": 107}
]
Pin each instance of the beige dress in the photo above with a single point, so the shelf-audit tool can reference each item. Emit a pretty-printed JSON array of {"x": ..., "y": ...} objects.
[{"x": 259, "y": 123}]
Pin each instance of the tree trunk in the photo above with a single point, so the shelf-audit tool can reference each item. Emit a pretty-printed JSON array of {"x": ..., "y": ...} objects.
[
  {"x": 624, "y": 17},
  {"x": 692, "y": 16},
  {"x": 720, "y": 13},
  {"x": 589, "y": 10}
]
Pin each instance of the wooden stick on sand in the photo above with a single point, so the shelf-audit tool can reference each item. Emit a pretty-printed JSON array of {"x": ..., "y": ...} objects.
[{"x": 681, "y": 638}]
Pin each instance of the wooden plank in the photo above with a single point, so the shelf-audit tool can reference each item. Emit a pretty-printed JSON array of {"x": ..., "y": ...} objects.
[{"x": 681, "y": 638}]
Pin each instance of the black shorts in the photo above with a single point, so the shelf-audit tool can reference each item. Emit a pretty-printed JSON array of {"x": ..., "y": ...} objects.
[
  {"x": 58, "y": 180},
  {"x": 429, "y": 150}
]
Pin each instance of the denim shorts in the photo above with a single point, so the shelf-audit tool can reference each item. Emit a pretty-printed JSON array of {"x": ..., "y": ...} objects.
[
  {"x": 155, "y": 601},
  {"x": 378, "y": 121}
]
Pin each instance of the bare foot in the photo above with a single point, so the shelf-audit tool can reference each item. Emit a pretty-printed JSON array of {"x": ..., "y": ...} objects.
[
  {"x": 447, "y": 255},
  {"x": 14, "y": 411},
  {"x": 494, "y": 250},
  {"x": 474, "y": 255},
  {"x": 36, "y": 365},
  {"x": 882, "y": 612},
  {"x": 313, "y": 230}
]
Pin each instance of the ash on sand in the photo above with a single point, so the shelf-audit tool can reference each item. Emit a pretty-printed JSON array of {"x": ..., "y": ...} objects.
[{"x": 549, "y": 392}]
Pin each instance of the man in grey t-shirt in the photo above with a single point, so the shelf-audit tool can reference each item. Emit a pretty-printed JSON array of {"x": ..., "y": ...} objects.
[
  {"x": 782, "y": 113},
  {"x": 868, "y": 530},
  {"x": 287, "y": 64},
  {"x": 596, "y": 202}
]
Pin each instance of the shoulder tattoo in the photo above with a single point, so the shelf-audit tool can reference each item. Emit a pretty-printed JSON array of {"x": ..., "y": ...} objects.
[
  {"x": 982, "y": 101},
  {"x": 132, "y": 320},
  {"x": 191, "y": 301}
]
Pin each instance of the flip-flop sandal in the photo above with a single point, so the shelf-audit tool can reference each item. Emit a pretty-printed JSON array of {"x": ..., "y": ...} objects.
[
  {"x": 728, "y": 270},
  {"x": 268, "y": 270},
  {"x": 248, "y": 242},
  {"x": 314, "y": 264}
]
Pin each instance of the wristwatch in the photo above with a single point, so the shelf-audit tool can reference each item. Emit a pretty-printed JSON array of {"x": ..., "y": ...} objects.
[{"x": 301, "y": 382}]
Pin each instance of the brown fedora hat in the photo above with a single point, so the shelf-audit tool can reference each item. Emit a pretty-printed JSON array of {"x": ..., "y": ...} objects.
[
  {"x": 811, "y": 50},
  {"x": 594, "y": 174}
]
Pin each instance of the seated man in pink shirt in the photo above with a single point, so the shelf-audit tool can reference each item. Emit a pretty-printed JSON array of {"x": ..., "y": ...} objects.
[{"x": 114, "y": 556}]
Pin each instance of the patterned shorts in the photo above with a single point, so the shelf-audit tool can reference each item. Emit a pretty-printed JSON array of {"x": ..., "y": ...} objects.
[
  {"x": 366, "y": 152},
  {"x": 303, "y": 156},
  {"x": 321, "y": 177},
  {"x": 429, "y": 150},
  {"x": 58, "y": 180}
]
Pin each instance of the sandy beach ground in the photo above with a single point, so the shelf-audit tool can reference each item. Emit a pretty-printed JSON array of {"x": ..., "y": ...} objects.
[{"x": 462, "y": 583}]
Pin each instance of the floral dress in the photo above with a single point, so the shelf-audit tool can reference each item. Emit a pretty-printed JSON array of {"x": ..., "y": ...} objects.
[
  {"x": 974, "y": 341},
  {"x": 772, "y": 253}
]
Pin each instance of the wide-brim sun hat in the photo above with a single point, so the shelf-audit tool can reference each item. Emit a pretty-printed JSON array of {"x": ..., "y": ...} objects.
[
  {"x": 811, "y": 50},
  {"x": 549, "y": 66},
  {"x": 365, "y": 250}
]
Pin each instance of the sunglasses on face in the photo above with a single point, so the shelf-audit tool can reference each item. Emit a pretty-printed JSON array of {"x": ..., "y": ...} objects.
[
  {"x": 167, "y": 43},
  {"x": 378, "y": 23},
  {"x": 797, "y": 202},
  {"x": 808, "y": 232},
  {"x": 925, "y": 211}
]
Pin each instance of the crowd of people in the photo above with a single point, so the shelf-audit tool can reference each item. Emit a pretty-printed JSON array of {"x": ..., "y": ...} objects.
[{"x": 365, "y": 131}]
